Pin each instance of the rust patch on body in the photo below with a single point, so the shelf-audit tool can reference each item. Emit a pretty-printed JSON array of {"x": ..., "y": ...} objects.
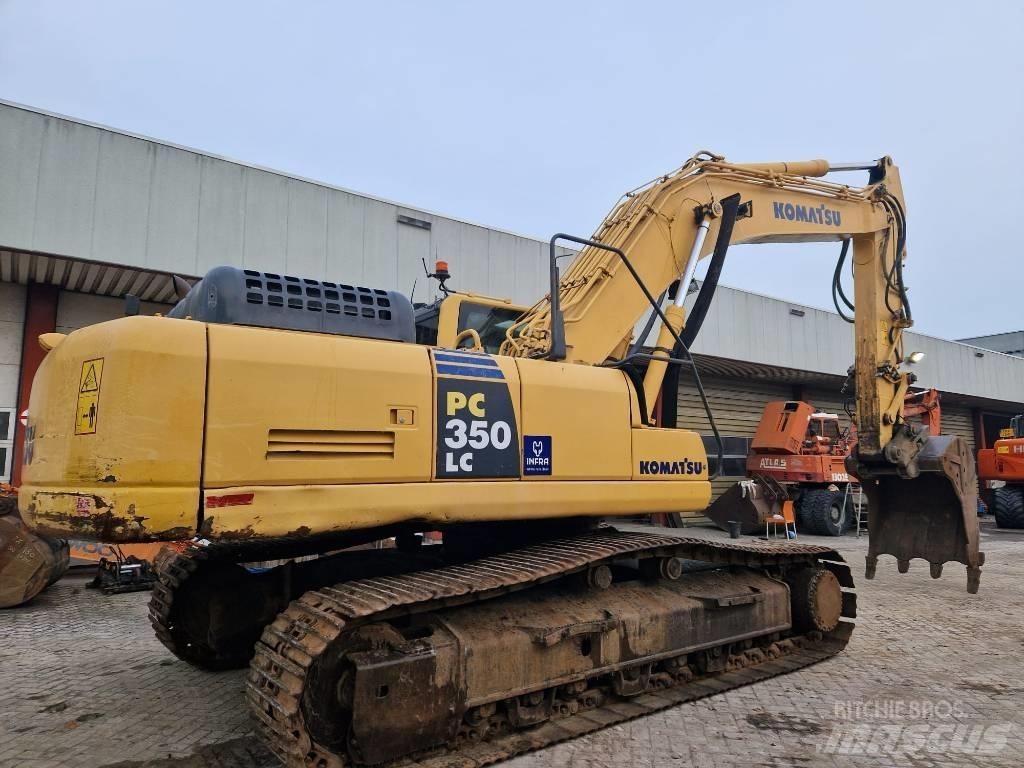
[{"x": 240, "y": 534}]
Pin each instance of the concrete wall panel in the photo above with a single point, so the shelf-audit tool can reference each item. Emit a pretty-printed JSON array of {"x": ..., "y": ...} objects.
[
  {"x": 414, "y": 246},
  {"x": 67, "y": 186},
  {"x": 345, "y": 214},
  {"x": 266, "y": 221},
  {"x": 221, "y": 215},
  {"x": 21, "y": 143},
  {"x": 121, "y": 215},
  {"x": 501, "y": 258},
  {"x": 173, "y": 209},
  {"x": 474, "y": 265},
  {"x": 307, "y": 230},
  {"x": 380, "y": 246}
]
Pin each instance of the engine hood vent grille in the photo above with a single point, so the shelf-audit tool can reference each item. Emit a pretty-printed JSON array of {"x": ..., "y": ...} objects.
[{"x": 329, "y": 444}]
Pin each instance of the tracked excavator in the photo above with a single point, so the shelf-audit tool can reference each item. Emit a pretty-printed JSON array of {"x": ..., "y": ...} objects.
[{"x": 269, "y": 417}]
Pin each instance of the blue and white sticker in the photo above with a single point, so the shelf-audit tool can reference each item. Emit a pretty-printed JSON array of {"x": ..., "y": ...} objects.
[{"x": 536, "y": 454}]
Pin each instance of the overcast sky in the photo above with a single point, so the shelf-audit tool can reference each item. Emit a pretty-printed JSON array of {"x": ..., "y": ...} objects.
[{"x": 535, "y": 117}]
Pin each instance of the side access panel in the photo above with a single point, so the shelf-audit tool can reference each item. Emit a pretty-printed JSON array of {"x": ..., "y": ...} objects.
[{"x": 291, "y": 410}]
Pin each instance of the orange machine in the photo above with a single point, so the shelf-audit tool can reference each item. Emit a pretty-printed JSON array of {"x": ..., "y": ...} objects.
[
  {"x": 795, "y": 443},
  {"x": 924, "y": 406},
  {"x": 799, "y": 454},
  {"x": 1005, "y": 462}
]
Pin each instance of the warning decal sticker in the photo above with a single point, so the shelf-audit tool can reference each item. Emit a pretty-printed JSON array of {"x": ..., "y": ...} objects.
[{"x": 88, "y": 409}]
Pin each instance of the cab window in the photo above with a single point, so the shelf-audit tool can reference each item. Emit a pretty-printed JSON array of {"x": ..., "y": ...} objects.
[{"x": 490, "y": 322}]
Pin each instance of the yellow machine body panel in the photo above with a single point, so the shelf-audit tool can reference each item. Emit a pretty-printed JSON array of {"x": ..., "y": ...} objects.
[
  {"x": 231, "y": 431},
  {"x": 586, "y": 412},
  {"x": 115, "y": 432}
]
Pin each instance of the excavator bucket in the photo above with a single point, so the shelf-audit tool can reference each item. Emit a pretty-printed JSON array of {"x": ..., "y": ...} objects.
[
  {"x": 933, "y": 516},
  {"x": 28, "y": 563},
  {"x": 748, "y": 503}
]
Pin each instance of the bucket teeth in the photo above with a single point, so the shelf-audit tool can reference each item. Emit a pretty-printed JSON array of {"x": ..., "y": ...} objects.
[{"x": 933, "y": 517}]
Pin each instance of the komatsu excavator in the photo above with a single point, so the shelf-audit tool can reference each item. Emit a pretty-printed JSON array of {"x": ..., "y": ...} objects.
[{"x": 269, "y": 417}]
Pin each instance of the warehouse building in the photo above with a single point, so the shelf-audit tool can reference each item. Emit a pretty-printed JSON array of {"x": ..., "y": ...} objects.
[
  {"x": 1011, "y": 343},
  {"x": 89, "y": 214}
]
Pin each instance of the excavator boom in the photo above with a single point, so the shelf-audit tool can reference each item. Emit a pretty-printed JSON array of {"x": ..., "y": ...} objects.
[{"x": 655, "y": 236}]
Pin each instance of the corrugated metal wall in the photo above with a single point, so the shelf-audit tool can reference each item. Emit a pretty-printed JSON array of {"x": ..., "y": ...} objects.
[
  {"x": 958, "y": 420},
  {"x": 737, "y": 406}
]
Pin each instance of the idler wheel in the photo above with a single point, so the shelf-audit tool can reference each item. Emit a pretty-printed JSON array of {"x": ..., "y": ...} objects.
[{"x": 816, "y": 600}]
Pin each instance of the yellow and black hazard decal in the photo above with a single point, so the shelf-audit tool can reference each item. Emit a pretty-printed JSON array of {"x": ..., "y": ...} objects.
[
  {"x": 476, "y": 423},
  {"x": 87, "y": 410}
]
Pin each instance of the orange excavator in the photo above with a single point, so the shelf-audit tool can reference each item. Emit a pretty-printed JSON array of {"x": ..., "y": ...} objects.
[{"x": 1005, "y": 462}]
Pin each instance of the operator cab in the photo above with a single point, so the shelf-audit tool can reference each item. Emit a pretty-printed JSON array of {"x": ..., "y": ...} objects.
[
  {"x": 445, "y": 322},
  {"x": 465, "y": 320},
  {"x": 823, "y": 432}
]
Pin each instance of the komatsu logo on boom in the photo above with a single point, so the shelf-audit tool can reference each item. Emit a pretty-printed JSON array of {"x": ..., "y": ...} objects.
[
  {"x": 684, "y": 467},
  {"x": 819, "y": 215}
]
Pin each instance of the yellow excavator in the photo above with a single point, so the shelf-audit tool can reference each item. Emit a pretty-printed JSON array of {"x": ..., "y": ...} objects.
[{"x": 271, "y": 418}]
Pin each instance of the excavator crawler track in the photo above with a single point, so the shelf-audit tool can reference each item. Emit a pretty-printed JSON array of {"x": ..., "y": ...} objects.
[
  {"x": 281, "y": 684},
  {"x": 174, "y": 567},
  {"x": 209, "y": 610}
]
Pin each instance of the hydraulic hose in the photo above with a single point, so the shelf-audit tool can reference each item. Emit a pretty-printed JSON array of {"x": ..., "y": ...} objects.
[{"x": 837, "y": 284}]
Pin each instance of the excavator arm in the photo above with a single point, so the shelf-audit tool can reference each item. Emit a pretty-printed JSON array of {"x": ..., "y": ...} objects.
[{"x": 922, "y": 491}]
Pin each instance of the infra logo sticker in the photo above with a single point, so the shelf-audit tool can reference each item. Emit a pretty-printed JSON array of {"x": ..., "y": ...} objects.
[{"x": 536, "y": 454}]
